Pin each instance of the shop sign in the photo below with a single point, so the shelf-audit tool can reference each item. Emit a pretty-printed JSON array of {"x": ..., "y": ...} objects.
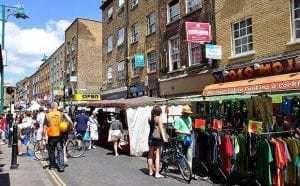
[
  {"x": 255, "y": 127},
  {"x": 87, "y": 97},
  {"x": 217, "y": 124},
  {"x": 266, "y": 69},
  {"x": 256, "y": 88},
  {"x": 277, "y": 99},
  {"x": 197, "y": 32},
  {"x": 139, "y": 61},
  {"x": 213, "y": 51}
]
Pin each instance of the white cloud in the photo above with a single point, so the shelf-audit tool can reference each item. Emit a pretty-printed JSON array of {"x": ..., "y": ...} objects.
[{"x": 26, "y": 47}]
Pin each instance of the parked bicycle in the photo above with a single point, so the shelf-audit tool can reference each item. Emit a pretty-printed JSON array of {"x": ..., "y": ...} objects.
[
  {"x": 173, "y": 156},
  {"x": 75, "y": 146}
]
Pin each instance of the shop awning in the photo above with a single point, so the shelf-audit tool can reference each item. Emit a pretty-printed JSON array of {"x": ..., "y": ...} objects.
[{"x": 271, "y": 84}]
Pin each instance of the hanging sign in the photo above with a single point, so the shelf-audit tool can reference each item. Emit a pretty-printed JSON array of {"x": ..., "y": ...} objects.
[
  {"x": 87, "y": 97},
  {"x": 198, "y": 32},
  {"x": 277, "y": 99},
  {"x": 255, "y": 127},
  {"x": 217, "y": 124},
  {"x": 213, "y": 51},
  {"x": 139, "y": 61}
]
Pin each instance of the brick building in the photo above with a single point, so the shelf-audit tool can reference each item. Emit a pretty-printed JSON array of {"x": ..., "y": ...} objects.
[
  {"x": 184, "y": 70},
  {"x": 130, "y": 52},
  {"x": 83, "y": 57},
  {"x": 57, "y": 65},
  {"x": 257, "y": 35},
  {"x": 41, "y": 83}
]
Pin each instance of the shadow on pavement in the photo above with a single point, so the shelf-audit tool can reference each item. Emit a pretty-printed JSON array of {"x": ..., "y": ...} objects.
[
  {"x": 145, "y": 171},
  {"x": 4, "y": 179}
]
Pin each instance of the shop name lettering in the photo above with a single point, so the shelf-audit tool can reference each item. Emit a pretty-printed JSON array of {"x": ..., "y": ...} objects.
[
  {"x": 293, "y": 84},
  {"x": 90, "y": 96},
  {"x": 274, "y": 68}
]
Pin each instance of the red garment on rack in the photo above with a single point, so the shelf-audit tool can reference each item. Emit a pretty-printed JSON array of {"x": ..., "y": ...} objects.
[{"x": 227, "y": 151}]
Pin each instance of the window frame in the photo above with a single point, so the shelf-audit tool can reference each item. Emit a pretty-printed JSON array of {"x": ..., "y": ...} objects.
[
  {"x": 190, "y": 52},
  {"x": 109, "y": 50},
  {"x": 174, "y": 18},
  {"x": 294, "y": 19},
  {"x": 110, "y": 15},
  {"x": 134, "y": 33},
  {"x": 121, "y": 73},
  {"x": 109, "y": 70},
  {"x": 149, "y": 25},
  {"x": 134, "y": 3},
  {"x": 153, "y": 52},
  {"x": 191, "y": 9},
  {"x": 120, "y": 41},
  {"x": 134, "y": 70},
  {"x": 171, "y": 69},
  {"x": 233, "y": 39}
]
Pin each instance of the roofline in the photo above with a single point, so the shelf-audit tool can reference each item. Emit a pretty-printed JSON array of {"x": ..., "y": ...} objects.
[
  {"x": 105, "y": 4},
  {"x": 56, "y": 51},
  {"x": 80, "y": 18}
]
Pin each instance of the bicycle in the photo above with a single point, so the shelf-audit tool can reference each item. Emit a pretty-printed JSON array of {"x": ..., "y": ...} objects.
[
  {"x": 75, "y": 146},
  {"x": 173, "y": 156},
  {"x": 41, "y": 150}
]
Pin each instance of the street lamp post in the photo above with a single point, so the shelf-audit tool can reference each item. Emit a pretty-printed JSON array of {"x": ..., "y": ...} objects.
[{"x": 19, "y": 13}]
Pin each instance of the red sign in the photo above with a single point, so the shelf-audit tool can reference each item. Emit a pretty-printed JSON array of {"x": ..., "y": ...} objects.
[
  {"x": 199, "y": 124},
  {"x": 217, "y": 124},
  {"x": 198, "y": 32}
]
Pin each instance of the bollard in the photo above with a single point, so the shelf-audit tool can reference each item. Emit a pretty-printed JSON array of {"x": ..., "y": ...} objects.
[{"x": 14, "y": 149}]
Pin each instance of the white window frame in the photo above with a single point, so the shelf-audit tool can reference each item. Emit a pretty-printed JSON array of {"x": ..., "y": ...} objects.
[
  {"x": 294, "y": 30},
  {"x": 241, "y": 37},
  {"x": 151, "y": 24},
  {"x": 109, "y": 44},
  {"x": 134, "y": 33},
  {"x": 149, "y": 70},
  {"x": 109, "y": 74},
  {"x": 192, "y": 5},
  {"x": 169, "y": 13},
  {"x": 134, "y": 3},
  {"x": 120, "y": 38},
  {"x": 110, "y": 12},
  {"x": 121, "y": 3},
  {"x": 190, "y": 52},
  {"x": 121, "y": 70},
  {"x": 170, "y": 54}
]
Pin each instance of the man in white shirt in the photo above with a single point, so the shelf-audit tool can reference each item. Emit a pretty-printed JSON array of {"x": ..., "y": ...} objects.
[{"x": 40, "y": 120}]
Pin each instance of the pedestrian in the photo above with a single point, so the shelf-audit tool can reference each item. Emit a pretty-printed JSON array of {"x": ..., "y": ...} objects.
[
  {"x": 156, "y": 138},
  {"x": 40, "y": 120},
  {"x": 93, "y": 127},
  {"x": 116, "y": 128},
  {"x": 81, "y": 122},
  {"x": 55, "y": 141},
  {"x": 26, "y": 128},
  {"x": 183, "y": 129},
  {"x": 2, "y": 130}
]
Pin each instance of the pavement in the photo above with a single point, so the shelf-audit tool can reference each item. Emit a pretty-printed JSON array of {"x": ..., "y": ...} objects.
[
  {"x": 29, "y": 172},
  {"x": 98, "y": 167}
]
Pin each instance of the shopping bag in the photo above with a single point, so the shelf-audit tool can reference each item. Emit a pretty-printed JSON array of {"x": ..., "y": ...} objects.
[
  {"x": 87, "y": 136},
  {"x": 109, "y": 135},
  {"x": 187, "y": 141}
]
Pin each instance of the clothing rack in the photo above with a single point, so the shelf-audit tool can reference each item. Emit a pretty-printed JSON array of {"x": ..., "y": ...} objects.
[{"x": 280, "y": 132}]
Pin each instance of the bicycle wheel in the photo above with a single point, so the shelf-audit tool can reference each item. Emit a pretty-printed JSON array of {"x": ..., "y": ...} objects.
[
  {"x": 40, "y": 151},
  {"x": 75, "y": 148},
  {"x": 185, "y": 169}
]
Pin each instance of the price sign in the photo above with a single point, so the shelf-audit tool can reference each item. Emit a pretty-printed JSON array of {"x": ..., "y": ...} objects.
[
  {"x": 217, "y": 124},
  {"x": 255, "y": 127},
  {"x": 199, "y": 124}
]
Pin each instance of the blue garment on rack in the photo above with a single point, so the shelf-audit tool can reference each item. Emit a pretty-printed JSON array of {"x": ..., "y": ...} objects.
[{"x": 286, "y": 106}]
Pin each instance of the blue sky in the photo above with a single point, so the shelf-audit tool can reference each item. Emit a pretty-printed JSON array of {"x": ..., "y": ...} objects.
[{"x": 28, "y": 40}]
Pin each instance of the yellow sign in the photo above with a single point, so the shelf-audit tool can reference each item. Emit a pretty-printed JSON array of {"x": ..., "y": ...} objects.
[
  {"x": 277, "y": 99},
  {"x": 87, "y": 97},
  {"x": 255, "y": 127}
]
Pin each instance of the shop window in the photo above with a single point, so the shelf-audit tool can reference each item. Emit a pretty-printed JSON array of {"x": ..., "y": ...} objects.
[
  {"x": 134, "y": 33},
  {"x": 174, "y": 53},
  {"x": 121, "y": 35},
  {"x": 121, "y": 70},
  {"x": 109, "y": 74},
  {"x": 296, "y": 18},
  {"x": 173, "y": 11},
  {"x": 192, "y": 5},
  {"x": 195, "y": 54},
  {"x": 242, "y": 36},
  {"x": 151, "y": 61},
  {"x": 151, "y": 23},
  {"x": 109, "y": 44}
]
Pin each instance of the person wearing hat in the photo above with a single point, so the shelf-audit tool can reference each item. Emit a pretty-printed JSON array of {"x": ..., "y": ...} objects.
[
  {"x": 183, "y": 129},
  {"x": 93, "y": 126}
]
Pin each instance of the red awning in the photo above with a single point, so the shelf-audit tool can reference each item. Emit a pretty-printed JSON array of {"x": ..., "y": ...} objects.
[{"x": 286, "y": 82}]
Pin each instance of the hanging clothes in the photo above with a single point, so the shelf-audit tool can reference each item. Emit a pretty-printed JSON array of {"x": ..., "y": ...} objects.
[
  {"x": 294, "y": 149},
  {"x": 226, "y": 150},
  {"x": 264, "y": 159}
]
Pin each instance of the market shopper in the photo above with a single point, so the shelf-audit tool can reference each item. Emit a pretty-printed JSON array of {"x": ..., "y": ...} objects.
[
  {"x": 93, "y": 127},
  {"x": 55, "y": 141},
  {"x": 116, "y": 133},
  {"x": 2, "y": 130},
  {"x": 156, "y": 138},
  {"x": 183, "y": 129},
  {"x": 40, "y": 120},
  {"x": 81, "y": 122}
]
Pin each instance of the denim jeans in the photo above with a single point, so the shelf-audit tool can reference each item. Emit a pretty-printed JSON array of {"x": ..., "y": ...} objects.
[{"x": 56, "y": 144}]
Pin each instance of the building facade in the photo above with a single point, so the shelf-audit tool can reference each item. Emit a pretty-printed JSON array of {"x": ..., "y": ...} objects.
[
  {"x": 115, "y": 49},
  {"x": 184, "y": 70},
  {"x": 41, "y": 83},
  {"x": 83, "y": 57},
  {"x": 57, "y": 65},
  {"x": 258, "y": 38}
]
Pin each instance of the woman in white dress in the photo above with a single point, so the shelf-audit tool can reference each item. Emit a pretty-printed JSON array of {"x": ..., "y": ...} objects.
[{"x": 93, "y": 126}]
